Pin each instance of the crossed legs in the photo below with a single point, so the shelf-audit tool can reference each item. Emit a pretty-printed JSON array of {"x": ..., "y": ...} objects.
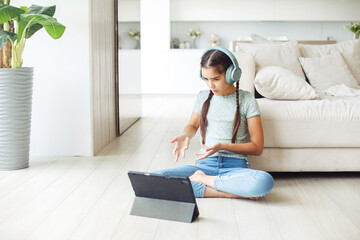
[
  {"x": 229, "y": 183},
  {"x": 210, "y": 191}
]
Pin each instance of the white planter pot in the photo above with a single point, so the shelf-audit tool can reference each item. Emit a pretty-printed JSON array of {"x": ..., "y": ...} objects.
[{"x": 15, "y": 117}]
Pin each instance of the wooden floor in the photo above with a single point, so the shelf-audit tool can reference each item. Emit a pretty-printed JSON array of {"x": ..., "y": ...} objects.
[{"x": 90, "y": 197}]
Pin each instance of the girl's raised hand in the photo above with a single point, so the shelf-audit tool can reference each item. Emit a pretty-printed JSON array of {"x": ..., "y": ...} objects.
[
  {"x": 208, "y": 151},
  {"x": 182, "y": 144}
]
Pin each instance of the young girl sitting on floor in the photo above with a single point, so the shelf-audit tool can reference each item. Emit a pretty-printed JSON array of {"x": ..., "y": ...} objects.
[{"x": 230, "y": 127}]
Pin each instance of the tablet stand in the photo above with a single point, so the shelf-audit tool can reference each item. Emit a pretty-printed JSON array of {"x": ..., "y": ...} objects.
[{"x": 164, "y": 209}]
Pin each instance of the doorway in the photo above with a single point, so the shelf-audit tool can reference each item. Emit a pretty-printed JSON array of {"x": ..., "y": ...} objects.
[{"x": 128, "y": 64}]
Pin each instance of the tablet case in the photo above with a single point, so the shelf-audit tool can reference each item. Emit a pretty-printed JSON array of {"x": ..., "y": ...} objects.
[{"x": 163, "y": 197}]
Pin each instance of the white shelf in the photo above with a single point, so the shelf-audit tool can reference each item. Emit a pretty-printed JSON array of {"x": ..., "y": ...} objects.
[{"x": 265, "y": 10}]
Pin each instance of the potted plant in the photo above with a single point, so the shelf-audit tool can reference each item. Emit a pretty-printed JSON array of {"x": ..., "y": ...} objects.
[
  {"x": 16, "y": 26},
  {"x": 133, "y": 33},
  {"x": 354, "y": 28},
  {"x": 194, "y": 34}
]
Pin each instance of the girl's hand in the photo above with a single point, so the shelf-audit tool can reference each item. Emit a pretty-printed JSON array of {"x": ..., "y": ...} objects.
[
  {"x": 208, "y": 151},
  {"x": 182, "y": 144}
]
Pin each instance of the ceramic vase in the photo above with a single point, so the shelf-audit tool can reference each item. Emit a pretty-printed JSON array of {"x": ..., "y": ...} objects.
[
  {"x": 356, "y": 35},
  {"x": 194, "y": 43},
  {"x": 15, "y": 117}
]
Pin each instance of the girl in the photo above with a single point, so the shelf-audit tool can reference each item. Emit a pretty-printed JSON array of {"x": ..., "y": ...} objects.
[{"x": 230, "y": 127}]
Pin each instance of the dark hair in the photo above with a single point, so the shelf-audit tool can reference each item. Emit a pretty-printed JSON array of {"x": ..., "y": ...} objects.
[
  {"x": 217, "y": 59},
  {"x": 220, "y": 61}
]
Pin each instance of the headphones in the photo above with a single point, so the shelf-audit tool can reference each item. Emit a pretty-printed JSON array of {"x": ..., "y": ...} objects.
[{"x": 233, "y": 73}]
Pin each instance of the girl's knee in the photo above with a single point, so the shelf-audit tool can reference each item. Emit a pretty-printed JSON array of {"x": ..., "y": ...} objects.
[
  {"x": 251, "y": 183},
  {"x": 264, "y": 183}
]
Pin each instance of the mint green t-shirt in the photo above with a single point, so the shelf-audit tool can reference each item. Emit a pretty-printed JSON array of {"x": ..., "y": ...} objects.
[{"x": 220, "y": 119}]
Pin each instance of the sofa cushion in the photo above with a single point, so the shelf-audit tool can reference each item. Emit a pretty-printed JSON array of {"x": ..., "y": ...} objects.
[
  {"x": 258, "y": 39},
  {"x": 327, "y": 71},
  {"x": 255, "y": 38},
  {"x": 307, "y": 160},
  {"x": 247, "y": 64},
  {"x": 330, "y": 122},
  {"x": 349, "y": 50},
  {"x": 283, "y": 55},
  {"x": 279, "y": 83}
]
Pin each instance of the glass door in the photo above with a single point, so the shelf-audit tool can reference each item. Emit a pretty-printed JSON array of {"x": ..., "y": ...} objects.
[{"x": 129, "y": 60}]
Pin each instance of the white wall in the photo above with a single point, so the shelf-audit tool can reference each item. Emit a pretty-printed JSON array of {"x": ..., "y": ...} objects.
[
  {"x": 61, "y": 97},
  {"x": 155, "y": 41},
  {"x": 264, "y": 10}
]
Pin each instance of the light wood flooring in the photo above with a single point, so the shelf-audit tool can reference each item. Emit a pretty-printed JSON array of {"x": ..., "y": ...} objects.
[{"x": 90, "y": 197}]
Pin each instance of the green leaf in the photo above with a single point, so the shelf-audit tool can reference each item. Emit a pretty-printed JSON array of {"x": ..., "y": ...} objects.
[
  {"x": 51, "y": 25},
  {"x": 34, "y": 28},
  {"x": 20, "y": 29},
  {"x": 5, "y": 36},
  {"x": 8, "y": 12},
  {"x": 35, "y": 9},
  {"x": 25, "y": 8}
]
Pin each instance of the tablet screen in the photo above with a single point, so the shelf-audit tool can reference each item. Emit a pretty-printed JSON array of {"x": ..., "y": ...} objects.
[{"x": 160, "y": 187}]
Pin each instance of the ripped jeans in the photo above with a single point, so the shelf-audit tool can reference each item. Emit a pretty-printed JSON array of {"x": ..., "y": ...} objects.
[{"x": 233, "y": 175}]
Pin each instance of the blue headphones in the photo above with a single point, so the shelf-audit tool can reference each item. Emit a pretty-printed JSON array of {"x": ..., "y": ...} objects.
[{"x": 233, "y": 73}]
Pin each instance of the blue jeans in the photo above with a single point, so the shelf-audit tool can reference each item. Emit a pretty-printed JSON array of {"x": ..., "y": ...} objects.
[{"x": 232, "y": 175}]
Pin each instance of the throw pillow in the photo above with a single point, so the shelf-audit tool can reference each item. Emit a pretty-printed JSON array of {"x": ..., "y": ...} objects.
[
  {"x": 283, "y": 55},
  {"x": 258, "y": 39},
  {"x": 327, "y": 71},
  {"x": 247, "y": 64},
  {"x": 278, "y": 83},
  {"x": 349, "y": 50}
]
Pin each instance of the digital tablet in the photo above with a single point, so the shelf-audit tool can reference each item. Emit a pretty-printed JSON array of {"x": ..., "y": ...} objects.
[{"x": 172, "y": 193}]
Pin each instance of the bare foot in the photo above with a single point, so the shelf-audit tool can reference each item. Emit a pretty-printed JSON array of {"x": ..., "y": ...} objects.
[
  {"x": 200, "y": 176},
  {"x": 197, "y": 175}
]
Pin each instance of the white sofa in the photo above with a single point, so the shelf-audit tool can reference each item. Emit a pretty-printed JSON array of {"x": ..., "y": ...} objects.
[{"x": 310, "y": 108}]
